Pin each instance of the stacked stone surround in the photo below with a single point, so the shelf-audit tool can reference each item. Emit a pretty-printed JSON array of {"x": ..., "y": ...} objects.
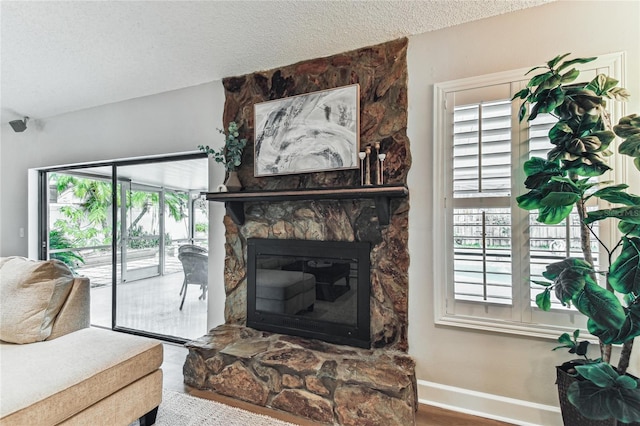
[
  {"x": 381, "y": 72},
  {"x": 323, "y": 382},
  {"x": 326, "y": 383}
]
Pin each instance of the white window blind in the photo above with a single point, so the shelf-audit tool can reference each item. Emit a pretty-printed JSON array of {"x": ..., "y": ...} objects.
[
  {"x": 489, "y": 250},
  {"x": 482, "y": 177},
  {"x": 482, "y": 150}
]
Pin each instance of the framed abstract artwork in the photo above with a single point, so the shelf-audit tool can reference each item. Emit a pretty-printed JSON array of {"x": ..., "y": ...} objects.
[{"x": 313, "y": 132}]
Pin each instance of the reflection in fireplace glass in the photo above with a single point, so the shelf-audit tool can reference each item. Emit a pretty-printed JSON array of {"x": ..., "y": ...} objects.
[{"x": 319, "y": 288}]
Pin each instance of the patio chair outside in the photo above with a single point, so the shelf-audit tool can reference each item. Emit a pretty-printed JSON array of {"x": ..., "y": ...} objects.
[
  {"x": 195, "y": 266},
  {"x": 192, "y": 248}
]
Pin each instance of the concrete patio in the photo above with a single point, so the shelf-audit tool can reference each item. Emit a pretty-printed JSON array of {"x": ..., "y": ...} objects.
[{"x": 151, "y": 304}]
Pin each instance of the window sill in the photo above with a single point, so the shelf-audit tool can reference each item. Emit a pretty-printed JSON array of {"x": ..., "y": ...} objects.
[{"x": 543, "y": 331}]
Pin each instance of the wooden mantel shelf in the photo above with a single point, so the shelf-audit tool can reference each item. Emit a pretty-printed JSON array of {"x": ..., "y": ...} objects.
[{"x": 382, "y": 195}]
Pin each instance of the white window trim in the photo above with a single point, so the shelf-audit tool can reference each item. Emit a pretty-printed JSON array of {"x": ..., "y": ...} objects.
[{"x": 611, "y": 64}]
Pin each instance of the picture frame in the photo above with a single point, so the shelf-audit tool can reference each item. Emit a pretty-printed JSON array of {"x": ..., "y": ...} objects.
[{"x": 308, "y": 133}]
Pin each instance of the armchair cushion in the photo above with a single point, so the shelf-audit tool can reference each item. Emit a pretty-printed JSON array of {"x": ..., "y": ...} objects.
[{"x": 31, "y": 295}]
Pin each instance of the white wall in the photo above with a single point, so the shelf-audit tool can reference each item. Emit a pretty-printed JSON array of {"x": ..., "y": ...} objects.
[
  {"x": 504, "y": 366},
  {"x": 171, "y": 122}
]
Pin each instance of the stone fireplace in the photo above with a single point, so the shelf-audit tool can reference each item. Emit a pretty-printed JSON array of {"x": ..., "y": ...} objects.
[{"x": 322, "y": 381}]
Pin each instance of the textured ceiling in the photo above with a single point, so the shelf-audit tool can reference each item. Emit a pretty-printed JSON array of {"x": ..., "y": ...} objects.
[{"x": 62, "y": 56}]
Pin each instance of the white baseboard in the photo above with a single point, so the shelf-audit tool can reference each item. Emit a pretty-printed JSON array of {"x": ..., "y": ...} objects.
[{"x": 487, "y": 405}]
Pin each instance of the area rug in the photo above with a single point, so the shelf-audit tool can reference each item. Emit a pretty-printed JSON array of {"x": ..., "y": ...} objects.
[{"x": 179, "y": 409}]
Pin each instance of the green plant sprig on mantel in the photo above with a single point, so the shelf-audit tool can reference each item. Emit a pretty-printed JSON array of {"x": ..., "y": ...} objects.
[
  {"x": 580, "y": 146},
  {"x": 231, "y": 153}
]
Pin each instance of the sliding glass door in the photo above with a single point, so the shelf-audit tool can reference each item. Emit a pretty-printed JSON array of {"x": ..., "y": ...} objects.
[{"x": 122, "y": 224}]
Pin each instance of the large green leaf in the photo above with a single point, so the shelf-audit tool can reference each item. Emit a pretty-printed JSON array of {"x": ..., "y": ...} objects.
[
  {"x": 604, "y": 395},
  {"x": 522, "y": 111},
  {"x": 536, "y": 165},
  {"x": 576, "y": 103},
  {"x": 591, "y": 143},
  {"x": 631, "y": 146},
  {"x": 557, "y": 199},
  {"x": 522, "y": 94},
  {"x": 607, "y": 336},
  {"x": 543, "y": 300},
  {"x": 552, "y": 63},
  {"x": 553, "y": 270},
  {"x": 599, "y": 304},
  {"x": 588, "y": 123},
  {"x": 539, "y": 171},
  {"x": 540, "y": 78},
  {"x": 531, "y": 200},
  {"x": 550, "y": 82},
  {"x": 582, "y": 168},
  {"x": 539, "y": 180},
  {"x": 546, "y": 101},
  {"x": 619, "y": 94},
  {"x": 629, "y": 214},
  {"x": 560, "y": 132},
  {"x": 626, "y": 382},
  {"x": 575, "y": 61},
  {"x": 601, "y": 374},
  {"x": 553, "y": 215},
  {"x": 619, "y": 197},
  {"x": 605, "y": 137},
  {"x": 629, "y": 229},
  {"x": 612, "y": 188},
  {"x": 616, "y": 336},
  {"x": 628, "y": 126},
  {"x": 600, "y": 404},
  {"x": 624, "y": 272},
  {"x": 568, "y": 285},
  {"x": 601, "y": 84},
  {"x": 570, "y": 76},
  {"x": 568, "y": 278}
]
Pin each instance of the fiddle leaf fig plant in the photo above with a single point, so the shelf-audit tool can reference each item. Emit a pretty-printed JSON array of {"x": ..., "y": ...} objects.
[
  {"x": 231, "y": 154},
  {"x": 567, "y": 180}
]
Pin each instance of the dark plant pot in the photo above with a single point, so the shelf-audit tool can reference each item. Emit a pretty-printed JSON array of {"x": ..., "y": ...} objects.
[
  {"x": 570, "y": 414},
  {"x": 233, "y": 183}
]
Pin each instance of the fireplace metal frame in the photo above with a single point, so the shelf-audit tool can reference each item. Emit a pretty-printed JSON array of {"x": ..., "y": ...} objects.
[{"x": 344, "y": 334}]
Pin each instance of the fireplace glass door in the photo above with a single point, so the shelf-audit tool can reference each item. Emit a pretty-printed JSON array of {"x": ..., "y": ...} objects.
[
  {"x": 322, "y": 288},
  {"x": 314, "y": 289}
]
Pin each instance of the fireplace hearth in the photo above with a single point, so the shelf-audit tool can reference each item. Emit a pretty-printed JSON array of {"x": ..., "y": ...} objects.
[
  {"x": 323, "y": 382},
  {"x": 314, "y": 289}
]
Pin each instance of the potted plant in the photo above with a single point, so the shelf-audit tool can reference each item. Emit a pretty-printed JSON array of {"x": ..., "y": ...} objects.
[
  {"x": 565, "y": 180},
  {"x": 230, "y": 155}
]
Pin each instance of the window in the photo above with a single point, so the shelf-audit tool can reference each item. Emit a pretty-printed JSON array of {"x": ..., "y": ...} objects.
[{"x": 489, "y": 249}]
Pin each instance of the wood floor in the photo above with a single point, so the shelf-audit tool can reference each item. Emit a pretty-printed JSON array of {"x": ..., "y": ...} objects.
[{"x": 174, "y": 356}]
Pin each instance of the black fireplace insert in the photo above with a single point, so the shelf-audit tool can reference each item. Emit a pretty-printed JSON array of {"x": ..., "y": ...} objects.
[{"x": 313, "y": 289}]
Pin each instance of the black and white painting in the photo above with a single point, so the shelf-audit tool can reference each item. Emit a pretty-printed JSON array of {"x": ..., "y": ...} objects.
[{"x": 313, "y": 132}]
